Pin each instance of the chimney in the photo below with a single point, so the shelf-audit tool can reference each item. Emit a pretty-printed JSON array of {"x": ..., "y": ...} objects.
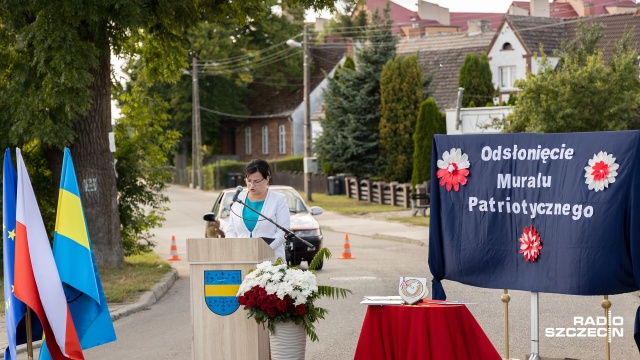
[
  {"x": 477, "y": 27},
  {"x": 539, "y": 8},
  {"x": 588, "y": 9}
]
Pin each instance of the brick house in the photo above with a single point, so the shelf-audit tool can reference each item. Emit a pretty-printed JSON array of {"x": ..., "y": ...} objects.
[{"x": 275, "y": 128}]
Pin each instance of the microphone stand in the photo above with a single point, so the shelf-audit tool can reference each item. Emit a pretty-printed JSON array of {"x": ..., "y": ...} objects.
[{"x": 289, "y": 236}]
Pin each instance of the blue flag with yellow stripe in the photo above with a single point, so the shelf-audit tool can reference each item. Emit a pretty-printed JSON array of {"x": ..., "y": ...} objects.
[
  {"x": 14, "y": 309},
  {"x": 76, "y": 263}
]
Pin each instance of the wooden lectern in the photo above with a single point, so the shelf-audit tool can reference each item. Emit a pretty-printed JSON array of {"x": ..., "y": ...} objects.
[{"x": 220, "y": 331}]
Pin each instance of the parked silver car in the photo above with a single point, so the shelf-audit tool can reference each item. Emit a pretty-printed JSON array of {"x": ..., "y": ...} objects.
[{"x": 303, "y": 223}]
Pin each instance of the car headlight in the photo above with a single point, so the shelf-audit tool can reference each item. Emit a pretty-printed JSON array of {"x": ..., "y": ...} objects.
[{"x": 304, "y": 233}]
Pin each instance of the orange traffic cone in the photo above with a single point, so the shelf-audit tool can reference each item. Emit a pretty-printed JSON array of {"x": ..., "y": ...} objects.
[
  {"x": 346, "y": 253},
  {"x": 174, "y": 250}
]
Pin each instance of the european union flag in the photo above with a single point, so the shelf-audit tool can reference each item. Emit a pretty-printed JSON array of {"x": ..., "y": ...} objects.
[
  {"x": 76, "y": 263},
  {"x": 15, "y": 310}
]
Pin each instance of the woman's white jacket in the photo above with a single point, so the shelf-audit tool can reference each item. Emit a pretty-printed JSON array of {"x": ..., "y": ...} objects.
[{"x": 275, "y": 207}]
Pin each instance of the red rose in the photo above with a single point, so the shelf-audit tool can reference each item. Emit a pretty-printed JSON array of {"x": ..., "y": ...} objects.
[
  {"x": 281, "y": 304},
  {"x": 271, "y": 302},
  {"x": 242, "y": 300},
  {"x": 271, "y": 312},
  {"x": 288, "y": 299},
  {"x": 251, "y": 303},
  {"x": 264, "y": 307},
  {"x": 301, "y": 309}
]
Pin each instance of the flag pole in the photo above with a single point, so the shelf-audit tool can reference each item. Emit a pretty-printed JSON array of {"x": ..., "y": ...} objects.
[{"x": 29, "y": 335}]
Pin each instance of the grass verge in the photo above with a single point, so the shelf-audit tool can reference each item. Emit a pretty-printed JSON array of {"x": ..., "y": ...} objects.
[
  {"x": 127, "y": 283},
  {"x": 347, "y": 206}
]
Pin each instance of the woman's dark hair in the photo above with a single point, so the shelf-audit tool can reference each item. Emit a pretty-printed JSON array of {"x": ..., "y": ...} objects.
[{"x": 258, "y": 165}]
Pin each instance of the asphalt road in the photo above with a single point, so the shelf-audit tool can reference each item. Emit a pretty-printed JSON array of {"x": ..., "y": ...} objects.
[{"x": 164, "y": 330}]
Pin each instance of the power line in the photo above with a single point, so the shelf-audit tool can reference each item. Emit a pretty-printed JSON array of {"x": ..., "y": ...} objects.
[{"x": 269, "y": 116}]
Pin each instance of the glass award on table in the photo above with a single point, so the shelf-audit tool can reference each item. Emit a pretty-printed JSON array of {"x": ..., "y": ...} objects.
[{"x": 413, "y": 289}]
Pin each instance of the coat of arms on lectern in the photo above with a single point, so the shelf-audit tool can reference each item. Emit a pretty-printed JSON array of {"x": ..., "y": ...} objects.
[
  {"x": 220, "y": 289},
  {"x": 413, "y": 289}
]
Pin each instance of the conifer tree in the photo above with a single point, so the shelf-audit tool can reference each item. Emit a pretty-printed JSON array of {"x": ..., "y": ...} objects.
[
  {"x": 475, "y": 78},
  {"x": 401, "y": 94},
  {"x": 430, "y": 121},
  {"x": 349, "y": 140}
]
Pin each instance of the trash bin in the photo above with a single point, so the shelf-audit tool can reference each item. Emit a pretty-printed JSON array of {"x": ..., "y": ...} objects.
[
  {"x": 341, "y": 187},
  {"x": 331, "y": 183},
  {"x": 233, "y": 180}
]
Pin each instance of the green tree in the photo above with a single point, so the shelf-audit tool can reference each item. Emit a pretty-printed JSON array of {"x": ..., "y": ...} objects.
[
  {"x": 584, "y": 93},
  {"x": 401, "y": 94},
  {"x": 343, "y": 24},
  {"x": 350, "y": 131},
  {"x": 57, "y": 80},
  {"x": 430, "y": 121},
  {"x": 144, "y": 142},
  {"x": 475, "y": 78}
]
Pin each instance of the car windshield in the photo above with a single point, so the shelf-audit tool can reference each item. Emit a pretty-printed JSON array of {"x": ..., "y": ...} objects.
[{"x": 295, "y": 203}]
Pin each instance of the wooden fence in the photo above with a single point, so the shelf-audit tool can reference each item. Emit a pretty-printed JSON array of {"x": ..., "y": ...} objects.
[{"x": 380, "y": 192}]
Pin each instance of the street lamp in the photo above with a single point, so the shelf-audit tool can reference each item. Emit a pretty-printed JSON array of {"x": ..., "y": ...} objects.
[{"x": 307, "y": 116}]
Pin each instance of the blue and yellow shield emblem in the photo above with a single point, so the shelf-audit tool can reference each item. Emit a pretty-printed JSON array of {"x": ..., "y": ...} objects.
[{"x": 220, "y": 289}]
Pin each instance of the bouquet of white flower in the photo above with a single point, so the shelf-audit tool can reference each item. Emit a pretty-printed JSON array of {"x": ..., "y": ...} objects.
[{"x": 275, "y": 293}]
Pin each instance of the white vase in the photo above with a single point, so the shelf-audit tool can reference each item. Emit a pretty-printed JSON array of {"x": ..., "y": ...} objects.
[{"x": 288, "y": 341}]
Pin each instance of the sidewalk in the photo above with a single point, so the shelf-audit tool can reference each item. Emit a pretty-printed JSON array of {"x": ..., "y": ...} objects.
[
  {"x": 362, "y": 225},
  {"x": 366, "y": 225}
]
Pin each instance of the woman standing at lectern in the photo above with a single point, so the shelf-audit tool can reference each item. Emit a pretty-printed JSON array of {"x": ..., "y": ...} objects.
[{"x": 245, "y": 223}]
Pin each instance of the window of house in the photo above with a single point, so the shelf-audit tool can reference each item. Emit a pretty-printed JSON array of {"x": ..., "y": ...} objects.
[
  {"x": 507, "y": 76},
  {"x": 282, "y": 139},
  {"x": 247, "y": 140},
  {"x": 265, "y": 139},
  {"x": 507, "y": 46}
]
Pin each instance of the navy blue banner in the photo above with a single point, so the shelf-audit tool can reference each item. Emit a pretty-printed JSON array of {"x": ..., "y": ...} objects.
[{"x": 555, "y": 213}]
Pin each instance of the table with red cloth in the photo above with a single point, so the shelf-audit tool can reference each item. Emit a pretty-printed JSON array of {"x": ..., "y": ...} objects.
[{"x": 423, "y": 331}]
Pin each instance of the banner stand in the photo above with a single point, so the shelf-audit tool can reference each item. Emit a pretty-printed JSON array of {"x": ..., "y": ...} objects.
[
  {"x": 535, "y": 326},
  {"x": 505, "y": 299},
  {"x": 606, "y": 304}
]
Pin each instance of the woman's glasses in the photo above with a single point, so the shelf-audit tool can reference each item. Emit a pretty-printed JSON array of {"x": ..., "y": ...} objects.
[{"x": 254, "y": 182}]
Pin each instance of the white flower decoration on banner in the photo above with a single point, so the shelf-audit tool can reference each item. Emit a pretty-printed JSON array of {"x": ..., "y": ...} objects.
[
  {"x": 601, "y": 171},
  {"x": 453, "y": 169}
]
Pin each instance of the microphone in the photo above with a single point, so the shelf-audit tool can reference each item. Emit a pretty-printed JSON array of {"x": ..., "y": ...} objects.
[{"x": 235, "y": 196}]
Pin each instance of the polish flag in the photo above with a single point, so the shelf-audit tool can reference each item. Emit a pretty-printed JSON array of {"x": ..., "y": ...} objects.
[{"x": 36, "y": 281}]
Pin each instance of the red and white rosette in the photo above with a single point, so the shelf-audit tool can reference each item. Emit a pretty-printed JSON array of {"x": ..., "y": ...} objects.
[
  {"x": 453, "y": 169},
  {"x": 530, "y": 243},
  {"x": 601, "y": 172}
]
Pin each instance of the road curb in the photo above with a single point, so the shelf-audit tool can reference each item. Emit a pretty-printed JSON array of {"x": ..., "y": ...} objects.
[{"x": 150, "y": 297}]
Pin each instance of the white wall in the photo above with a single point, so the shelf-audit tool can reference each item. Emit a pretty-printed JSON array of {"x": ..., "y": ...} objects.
[
  {"x": 501, "y": 57},
  {"x": 476, "y": 120}
]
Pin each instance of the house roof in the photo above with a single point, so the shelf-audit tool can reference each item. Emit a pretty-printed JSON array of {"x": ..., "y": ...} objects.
[
  {"x": 444, "y": 42},
  {"x": 401, "y": 15},
  {"x": 444, "y": 67},
  {"x": 614, "y": 27},
  {"x": 534, "y": 31},
  {"x": 282, "y": 102},
  {"x": 600, "y": 6},
  {"x": 556, "y": 9},
  {"x": 461, "y": 19}
]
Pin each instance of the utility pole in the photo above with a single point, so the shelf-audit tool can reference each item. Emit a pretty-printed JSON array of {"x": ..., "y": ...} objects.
[
  {"x": 307, "y": 117},
  {"x": 196, "y": 161}
]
